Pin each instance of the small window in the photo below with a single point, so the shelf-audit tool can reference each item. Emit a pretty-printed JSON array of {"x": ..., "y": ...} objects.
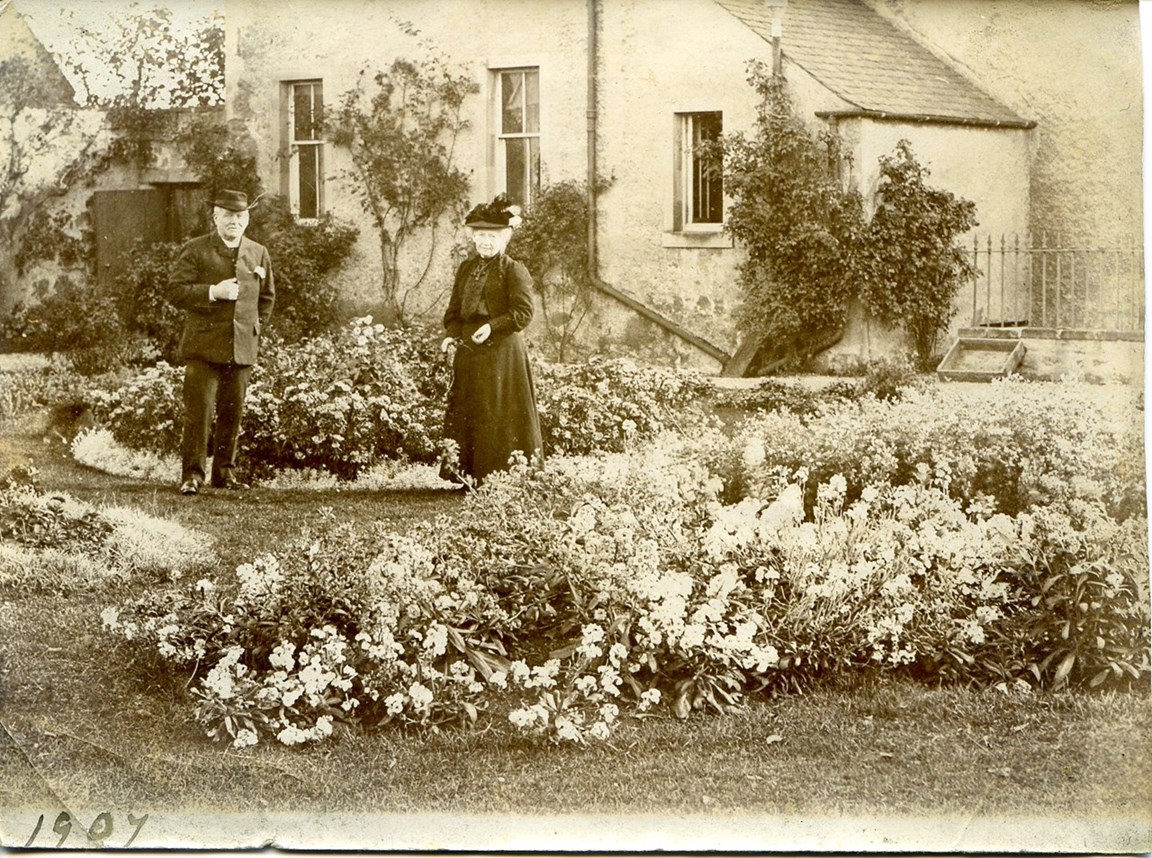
[
  {"x": 699, "y": 190},
  {"x": 517, "y": 165},
  {"x": 305, "y": 179}
]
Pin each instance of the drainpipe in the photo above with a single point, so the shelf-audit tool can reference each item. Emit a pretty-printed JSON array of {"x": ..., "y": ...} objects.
[{"x": 659, "y": 319}]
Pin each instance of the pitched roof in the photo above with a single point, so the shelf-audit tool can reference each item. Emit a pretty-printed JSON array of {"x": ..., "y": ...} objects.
[
  {"x": 18, "y": 40},
  {"x": 869, "y": 63}
]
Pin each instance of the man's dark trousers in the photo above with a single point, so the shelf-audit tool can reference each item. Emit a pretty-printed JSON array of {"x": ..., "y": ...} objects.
[{"x": 208, "y": 388}]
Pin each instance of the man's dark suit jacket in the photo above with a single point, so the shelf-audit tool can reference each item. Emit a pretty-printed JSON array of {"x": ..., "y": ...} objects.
[{"x": 222, "y": 331}]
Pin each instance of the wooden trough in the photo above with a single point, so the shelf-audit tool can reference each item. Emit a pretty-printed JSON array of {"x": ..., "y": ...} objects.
[{"x": 972, "y": 359}]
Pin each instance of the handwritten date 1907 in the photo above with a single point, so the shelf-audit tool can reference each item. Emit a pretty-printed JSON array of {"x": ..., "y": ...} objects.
[{"x": 98, "y": 832}]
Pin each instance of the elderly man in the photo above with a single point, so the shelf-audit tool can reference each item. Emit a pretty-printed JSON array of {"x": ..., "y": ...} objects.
[{"x": 223, "y": 283}]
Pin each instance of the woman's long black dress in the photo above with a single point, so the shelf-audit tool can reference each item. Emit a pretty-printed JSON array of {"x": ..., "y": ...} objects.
[{"x": 492, "y": 403}]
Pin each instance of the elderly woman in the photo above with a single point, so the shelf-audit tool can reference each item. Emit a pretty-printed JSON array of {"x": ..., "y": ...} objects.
[{"x": 492, "y": 405}]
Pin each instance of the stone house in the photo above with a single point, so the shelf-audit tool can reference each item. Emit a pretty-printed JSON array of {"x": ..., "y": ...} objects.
[
  {"x": 621, "y": 89},
  {"x": 622, "y": 86}
]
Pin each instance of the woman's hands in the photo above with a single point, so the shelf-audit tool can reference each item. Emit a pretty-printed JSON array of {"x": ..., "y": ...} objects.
[{"x": 479, "y": 337}]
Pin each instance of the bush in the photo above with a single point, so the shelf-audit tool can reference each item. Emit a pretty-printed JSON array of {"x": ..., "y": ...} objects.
[
  {"x": 133, "y": 323},
  {"x": 74, "y": 320},
  {"x": 800, "y": 226},
  {"x": 810, "y": 250},
  {"x": 141, "y": 296},
  {"x": 337, "y": 404},
  {"x": 1016, "y": 445},
  {"x": 914, "y": 266},
  {"x": 553, "y": 244},
  {"x": 343, "y": 402},
  {"x": 778, "y": 395},
  {"x": 305, "y": 257},
  {"x": 604, "y": 404}
]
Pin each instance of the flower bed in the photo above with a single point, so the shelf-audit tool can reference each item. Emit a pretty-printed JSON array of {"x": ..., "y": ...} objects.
[
  {"x": 557, "y": 603},
  {"x": 1013, "y": 444},
  {"x": 58, "y": 543},
  {"x": 344, "y": 403}
]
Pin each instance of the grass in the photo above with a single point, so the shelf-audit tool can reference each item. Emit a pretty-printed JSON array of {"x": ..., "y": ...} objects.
[{"x": 85, "y": 727}]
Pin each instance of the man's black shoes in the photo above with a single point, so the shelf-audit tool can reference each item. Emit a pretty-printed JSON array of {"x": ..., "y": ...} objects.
[
  {"x": 190, "y": 486},
  {"x": 230, "y": 483}
]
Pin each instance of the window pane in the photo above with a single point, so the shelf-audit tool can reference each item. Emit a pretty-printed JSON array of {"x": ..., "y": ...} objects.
[
  {"x": 512, "y": 100},
  {"x": 516, "y": 160},
  {"x": 707, "y": 186},
  {"x": 305, "y": 99},
  {"x": 532, "y": 99},
  {"x": 309, "y": 181},
  {"x": 534, "y": 171}
]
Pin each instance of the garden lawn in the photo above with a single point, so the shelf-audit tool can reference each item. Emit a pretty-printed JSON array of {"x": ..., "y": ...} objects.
[{"x": 83, "y": 729}]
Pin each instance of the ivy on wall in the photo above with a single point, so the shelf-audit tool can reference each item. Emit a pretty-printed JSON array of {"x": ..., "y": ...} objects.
[{"x": 810, "y": 250}]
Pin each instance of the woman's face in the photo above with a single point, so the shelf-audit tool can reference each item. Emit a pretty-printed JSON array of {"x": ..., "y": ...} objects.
[{"x": 489, "y": 242}]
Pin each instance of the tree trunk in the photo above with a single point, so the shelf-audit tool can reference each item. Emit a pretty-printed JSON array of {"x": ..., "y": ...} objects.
[{"x": 389, "y": 312}]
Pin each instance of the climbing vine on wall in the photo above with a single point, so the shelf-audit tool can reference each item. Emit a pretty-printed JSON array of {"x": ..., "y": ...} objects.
[
  {"x": 914, "y": 265},
  {"x": 810, "y": 250},
  {"x": 553, "y": 243},
  {"x": 798, "y": 224}
]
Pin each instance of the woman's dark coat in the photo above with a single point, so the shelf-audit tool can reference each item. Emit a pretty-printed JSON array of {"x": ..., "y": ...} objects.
[{"x": 492, "y": 403}]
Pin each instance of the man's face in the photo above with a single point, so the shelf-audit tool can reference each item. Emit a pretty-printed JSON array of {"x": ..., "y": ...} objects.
[{"x": 230, "y": 225}]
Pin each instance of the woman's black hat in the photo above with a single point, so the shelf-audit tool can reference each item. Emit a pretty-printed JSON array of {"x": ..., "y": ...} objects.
[{"x": 498, "y": 214}]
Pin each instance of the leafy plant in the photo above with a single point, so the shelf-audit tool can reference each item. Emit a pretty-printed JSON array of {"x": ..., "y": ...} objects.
[
  {"x": 553, "y": 243},
  {"x": 810, "y": 250},
  {"x": 1081, "y": 592},
  {"x": 798, "y": 224},
  {"x": 72, "y": 319},
  {"x": 913, "y": 264},
  {"x": 305, "y": 257}
]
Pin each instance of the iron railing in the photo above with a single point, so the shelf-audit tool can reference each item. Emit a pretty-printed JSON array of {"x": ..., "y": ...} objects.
[{"x": 1047, "y": 283}]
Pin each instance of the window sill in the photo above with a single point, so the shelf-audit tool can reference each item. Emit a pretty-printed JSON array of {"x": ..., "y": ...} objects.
[{"x": 708, "y": 239}]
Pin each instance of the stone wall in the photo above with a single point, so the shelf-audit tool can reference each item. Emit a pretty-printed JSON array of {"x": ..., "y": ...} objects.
[{"x": 1073, "y": 66}]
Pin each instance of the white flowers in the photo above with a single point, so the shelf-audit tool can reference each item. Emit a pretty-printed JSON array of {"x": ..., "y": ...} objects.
[
  {"x": 259, "y": 579},
  {"x": 283, "y": 657}
]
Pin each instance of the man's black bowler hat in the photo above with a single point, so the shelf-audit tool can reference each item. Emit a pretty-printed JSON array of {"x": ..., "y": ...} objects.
[{"x": 234, "y": 201}]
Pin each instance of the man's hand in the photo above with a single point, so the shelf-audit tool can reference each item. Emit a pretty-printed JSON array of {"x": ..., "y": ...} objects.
[
  {"x": 446, "y": 344},
  {"x": 482, "y": 334},
  {"x": 225, "y": 290}
]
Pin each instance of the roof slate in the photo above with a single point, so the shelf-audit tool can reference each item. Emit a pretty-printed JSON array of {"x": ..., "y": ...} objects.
[{"x": 869, "y": 63}]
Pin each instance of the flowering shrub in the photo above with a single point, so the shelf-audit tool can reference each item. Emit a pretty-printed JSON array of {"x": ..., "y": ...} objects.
[
  {"x": 342, "y": 403},
  {"x": 558, "y": 602},
  {"x": 337, "y": 404},
  {"x": 1017, "y": 443},
  {"x": 602, "y": 404}
]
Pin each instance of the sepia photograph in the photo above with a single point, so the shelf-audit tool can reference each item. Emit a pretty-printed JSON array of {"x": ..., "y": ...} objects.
[{"x": 574, "y": 426}]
